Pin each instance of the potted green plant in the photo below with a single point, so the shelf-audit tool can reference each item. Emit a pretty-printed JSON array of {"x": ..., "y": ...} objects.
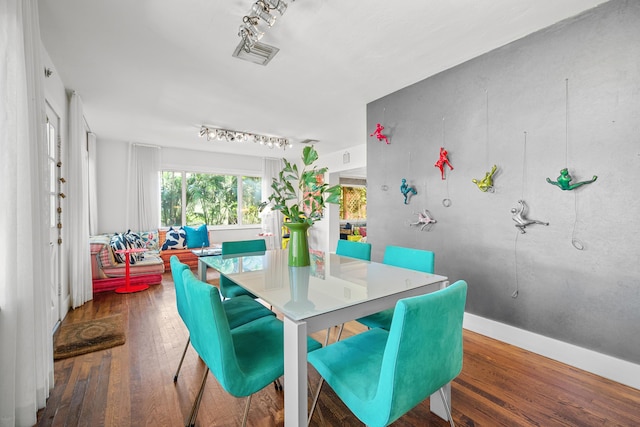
[{"x": 301, "y": 196}]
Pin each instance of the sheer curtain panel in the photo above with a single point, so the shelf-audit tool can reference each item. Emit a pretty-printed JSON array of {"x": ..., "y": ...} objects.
[
  {"x": 26, "y": 349},
  {"x": 143, "y": 187},
  {"x": 78, "y": 205},
  {"x": 93, "y": 185}
]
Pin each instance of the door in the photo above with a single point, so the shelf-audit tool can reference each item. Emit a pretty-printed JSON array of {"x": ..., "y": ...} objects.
[{"x": 55, "y": 212}]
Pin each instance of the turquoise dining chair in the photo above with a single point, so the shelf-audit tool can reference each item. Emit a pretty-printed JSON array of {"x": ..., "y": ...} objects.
[
  {"x": 381, "y": 375},
  {"x": 413, "y": 259},
  {"x": 228, "y": 288},
  {"x": 244, "y": 360},
  {"x": 239, "y": 310},
  {"x": 359, "y": 250}
]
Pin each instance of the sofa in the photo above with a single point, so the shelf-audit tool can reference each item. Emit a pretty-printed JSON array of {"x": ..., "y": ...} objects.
[
  {"x": 108, "y": 268},
  {"x": 183, "y": 249}
]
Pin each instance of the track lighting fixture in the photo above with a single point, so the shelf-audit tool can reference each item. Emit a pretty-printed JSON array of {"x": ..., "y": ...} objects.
[
  {"x": 217, "y": 134},
  {"x": 262, "y": 12}
]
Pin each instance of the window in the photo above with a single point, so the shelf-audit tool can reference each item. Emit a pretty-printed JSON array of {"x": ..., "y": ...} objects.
[
  {"x": 171, "y": 198},
  {"x": 251, "y": 199},
  {"x": 189, "y": 198},
  {"x": 353, "y": 203}
]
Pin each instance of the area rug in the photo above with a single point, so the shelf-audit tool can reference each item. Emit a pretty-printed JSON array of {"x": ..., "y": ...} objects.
[{"x": 77, "y": 338}]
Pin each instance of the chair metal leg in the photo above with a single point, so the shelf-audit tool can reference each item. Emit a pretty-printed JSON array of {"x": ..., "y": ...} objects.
[
  {"x": 315, "y": 401},
  {"x": 326, "y": 340},
  {"x": 175, "y": 377},
  {"x": 196, "y": 403},
  {"x": 446, "y": 405},
  {"x": 246, "y": 411},
  {"x": 277, "y": 384}
]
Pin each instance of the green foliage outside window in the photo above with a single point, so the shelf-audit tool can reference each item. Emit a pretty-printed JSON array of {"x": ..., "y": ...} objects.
[
  {"x": 171, "y": 198},
  {"x": 210, "y": 199},
  {"x": 251, "y": 199}
]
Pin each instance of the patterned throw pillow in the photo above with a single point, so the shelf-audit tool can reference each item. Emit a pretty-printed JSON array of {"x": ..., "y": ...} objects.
[
  {"x": 134, "y": 241},
  {"x": 150, "y": 239},
  {"x": 128, "y": 240},
  {"x": 175, "y": 239},
  {"x": 118, "y": 243}
]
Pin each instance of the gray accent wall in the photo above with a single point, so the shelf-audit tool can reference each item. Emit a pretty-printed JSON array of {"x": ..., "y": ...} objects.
[{"x": 574, "y": 89}]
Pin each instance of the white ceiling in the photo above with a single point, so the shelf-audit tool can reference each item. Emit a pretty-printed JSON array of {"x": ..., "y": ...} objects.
[{"x": 154, "y": 71}]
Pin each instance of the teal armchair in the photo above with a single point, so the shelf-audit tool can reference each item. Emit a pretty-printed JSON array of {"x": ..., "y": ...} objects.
[
  {"x": 244, "y": 360},
  {"x": 239, "y": 310},
  {"x": 228, "y": 288},
  {"x": 414, "y": 259},
  {"x": 381, "y": 375}
]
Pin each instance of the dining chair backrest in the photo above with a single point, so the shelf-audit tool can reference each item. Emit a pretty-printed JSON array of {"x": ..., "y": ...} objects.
[
  {"x": 360, "y": 250},
  {"x": 414, "y": 259},
  {"x": 177, "y": 268},
  {"x": 241, "y": 246},
  {"x": 211, "y": 334},
  {"x": 228, "y": 288},
  {"x": 423, "y": 350}
]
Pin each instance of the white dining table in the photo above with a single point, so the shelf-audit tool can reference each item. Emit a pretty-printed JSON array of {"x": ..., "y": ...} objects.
[{"x": 334, "y": 289}]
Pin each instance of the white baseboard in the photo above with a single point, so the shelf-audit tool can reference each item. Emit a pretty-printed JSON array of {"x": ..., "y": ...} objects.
[{"x": 618, "y": 370}]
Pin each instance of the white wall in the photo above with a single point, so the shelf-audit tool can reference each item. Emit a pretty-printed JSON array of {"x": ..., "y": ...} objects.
[
  {"x": 324, "y": 234},
  {"x": 112, "y": 175}
]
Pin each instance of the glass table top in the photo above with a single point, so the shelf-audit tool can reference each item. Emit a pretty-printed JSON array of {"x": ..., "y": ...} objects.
[{"x": 331, "y": 282}]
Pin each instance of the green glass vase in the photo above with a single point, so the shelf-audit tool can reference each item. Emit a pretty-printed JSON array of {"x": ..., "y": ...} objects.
[{"x": 298, "y": 244}]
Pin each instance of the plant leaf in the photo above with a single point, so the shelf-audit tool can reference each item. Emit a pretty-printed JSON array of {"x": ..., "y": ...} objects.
[{"x": 309, "y": 155}]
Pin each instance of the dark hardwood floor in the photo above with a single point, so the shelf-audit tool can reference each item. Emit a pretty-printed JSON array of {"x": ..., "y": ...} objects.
[{"x": 132, "y": 385}]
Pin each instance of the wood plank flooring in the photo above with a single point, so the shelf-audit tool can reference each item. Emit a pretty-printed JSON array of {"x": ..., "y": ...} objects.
[{"x": 132, "y": 385}]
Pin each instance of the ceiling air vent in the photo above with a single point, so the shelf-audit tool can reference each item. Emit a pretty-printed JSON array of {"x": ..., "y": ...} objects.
[
  {"x": 309, "y": 141},
  {"x": 260, "y": 53}
]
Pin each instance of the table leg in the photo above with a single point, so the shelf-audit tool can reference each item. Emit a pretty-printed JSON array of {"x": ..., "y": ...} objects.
[
  {"x": 128, "y": 288},
  {"x": 202, "y": 270},
  {"x": 295, "y": 373},
  {"x": 127, "y": 271}
]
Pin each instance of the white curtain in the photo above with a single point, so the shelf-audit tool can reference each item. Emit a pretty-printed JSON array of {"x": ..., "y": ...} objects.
[
  {"x": 78, "y": 206},
  {"x": 26, "y": 349},
  {"x": 271, "y": 220},
  {"x": 93, "y": 185},
  {"x": 143, "y": 188}
]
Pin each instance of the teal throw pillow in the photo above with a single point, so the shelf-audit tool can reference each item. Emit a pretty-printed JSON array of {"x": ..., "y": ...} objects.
[{"x": 197, "y": 237}]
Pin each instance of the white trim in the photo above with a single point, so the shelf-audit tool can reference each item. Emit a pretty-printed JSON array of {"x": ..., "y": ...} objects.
[
  {"x": 618, "y": 370},
  {"x": 214, "y": 170}
]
